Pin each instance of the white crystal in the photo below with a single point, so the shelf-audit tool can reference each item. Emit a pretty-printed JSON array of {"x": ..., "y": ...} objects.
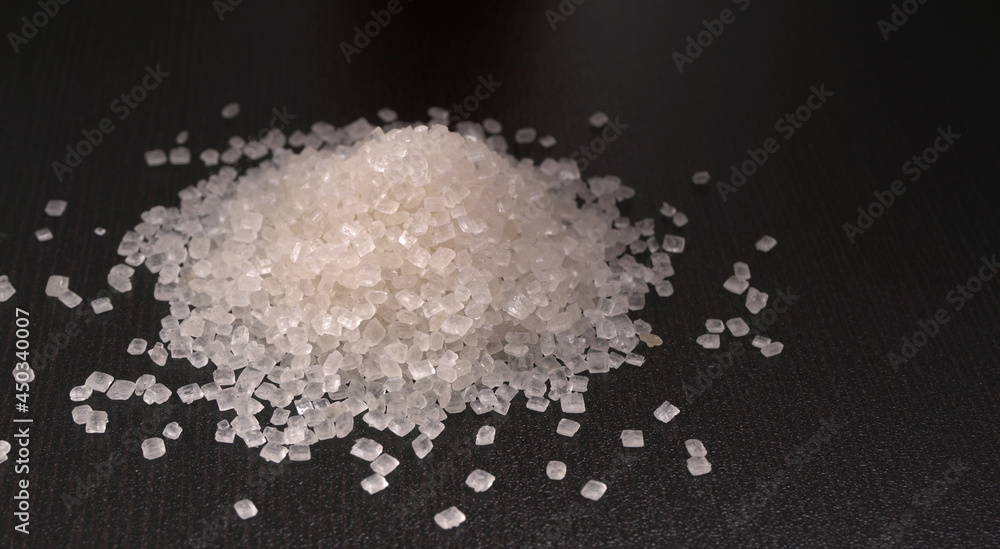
[
  {"x": 245, "y": 509},
  {"x": 738, "y": 327},
  {"x": 366, "y": 449},
  {"x": 765, "y": 243},
  {"x": 772, "y": 348},
  {"x": 567, "y": 427},
  {"x": 449, "y": 518},
  {"x": 137, "y": 346},
  {"x": 666, "y": 412},
  {"x": 593, "y": 490},
  {"x": 479, "y": 480},
  {"x": 555, "y": 470},
  {"x": 485, "y": 435},
  {"x": 153, "y": 448},
  {"x": 698, "y": 466},
  {"x": 756, "y": 300},
  {"x": 172, "y": 430},
  {"x": 632, "y": 438},
  {"x": 55, "y": 208},
  {"x": 374, "y": 483}
]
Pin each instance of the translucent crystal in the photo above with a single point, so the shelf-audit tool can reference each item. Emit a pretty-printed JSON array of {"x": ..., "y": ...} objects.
[
  {"x": 714, "y": 326},
  {"x": 449, "y": 518},
  {"x": 153, "y": 448},
  {"x": 366, "y": 449},
  {"x": 593, "y": 490},
  {"x": 80, "y": 393},
  {"x": 99, "y": 381},
  {"x": 709, "y": 341},
  {"x": 555, "y": 470},
  {"x": 172, "y": 430},
  {"x": 374, "y": 483},
  {"x": 695, "y": 448},
  {"x": 97, "y": 422},
  {"x": 736, "y": 285},
  {"x": 137, "y": 346},
  {"x": 632, "y": 438},
  {"x": 384, "y": 464},
  {"x": 121, "y": 389},
  {"x": 756, "y": 300},
  {"x": 738, "y": 327},
  {"x": 81, "y": 414},
  {"x": 760, "y": 341},
  {"x": 572, "y": 403},
  {"x": 479, "y": 480},
  {"x": 56, "y": 286},
  {"x": 765, "y": 243},
  {"x": 485, "y": 435},
  {"x": 666, "y": 412},
  {"x": 245, "y": 509},
  {"x": 772, "y": 348},
  {"x": 698, "y": 466},
  {"x": 422, "y": 445},
  {"x": 55, "y": 208},
  {"x": 567, "y": 427}
]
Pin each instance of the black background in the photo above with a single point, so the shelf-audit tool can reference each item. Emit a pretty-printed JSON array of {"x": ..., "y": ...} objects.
[{"x": 882, "y": 477}]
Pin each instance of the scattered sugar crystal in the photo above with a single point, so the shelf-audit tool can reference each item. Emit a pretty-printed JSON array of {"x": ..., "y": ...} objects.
[
  {"x": 56, "y": 286},
  {"x": 538, "y": 404},
  {"x": 99, "y": 381},
  {"x": 81, "y": 414},
  {"x": 121, "y": 389},
  {"x": 80, "y": 393},
  {"x": 555, "y": 470},
  {"x": 664, "y": 288},
  {"x": 374, "y": 483},
  {"x": 226, "y": 434},
  {"x": 172, "y": 430},
  {"x": 736, "y": 285},
  {"x": 652, "y": 340},
  {"x": 524, "y": 136},
  {"x": 55, "y": 208},
  {"x": 666, "y": 210},
  {"x": 673, "y": 244},
  {"x": 401, "y": 426},
  {"x": 272, "y": 452},
  {"x": 97, "y": 422},
  {"x": 432, "y": 429},
  {"x": 158, "y": 354},
  {"x": 738, "y": 327},
  {"x": 695, "y": 448},
  {"x": 182, "y": 137},
  {"x": 593, "y": 490},
  {"x": 485, "y": 435},
  {"x": 4, "y": 447},
  {"x": 280, "y": 416},
  {"x": 567, "y": 427},
  {"x": 180, "y": 156},
  {"x": 492, "y": 126},
  {"x": 698, "y": 466},
  {"x": 190, "y": 393},
  {"x": 144, "y": 382},
  {"x": 479, "y": 480},
  {"x": 157, "y": 393},
  {"x": 760, "y": 341},
  {"x": 137, "y": 346},
  {"x": 701, "y": 178},
  {"x": 572, "y": 403},
  {"x": 210, "y": 157},
  {"x": 387, "y": 115},
  {"x": 765, "y": 243},
  {"x": 43, "y": 235},
  {"x": 666, "y": 412},
  {"x": 101, "y": 305},
  {"x": 384, "y": 464},
  {"x": 100, "y": 231},
  {"x": 70, "y": 299},
  {"x": 741, "y": 270},
  {"x": 366, "y": 449},
  {"x": 714, "y": 326},
  {"x": 422, "y": 445},
  {"x": 756, "y": 300},
  {"x": 635, "y": 359},
  {"x": 299, "y": 452},
  {"x": 245, "y": 509},
  {"x": 709, "y": 341},
  {"x": 153, "y": 448},
  {"x": 547, "y": 141},
  {"x": 680, "y": 219},
  {"x": 772, "y": 348},
  {"x": 231, "y": 110},
  {"x": 449, "y": 518},
  {"x": 6, "y": 289},
  {"x": 156, "y": 157},
  {"x": 598, "y": 119},
  {"x": 632, "y": 438}
]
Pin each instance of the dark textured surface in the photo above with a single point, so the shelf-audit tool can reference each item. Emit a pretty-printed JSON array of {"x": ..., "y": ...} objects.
[{"x": 885, "y": 474}]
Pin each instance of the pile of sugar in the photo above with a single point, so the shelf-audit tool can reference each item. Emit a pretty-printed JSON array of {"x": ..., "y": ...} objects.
[{"x": 401, "y": 275}]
